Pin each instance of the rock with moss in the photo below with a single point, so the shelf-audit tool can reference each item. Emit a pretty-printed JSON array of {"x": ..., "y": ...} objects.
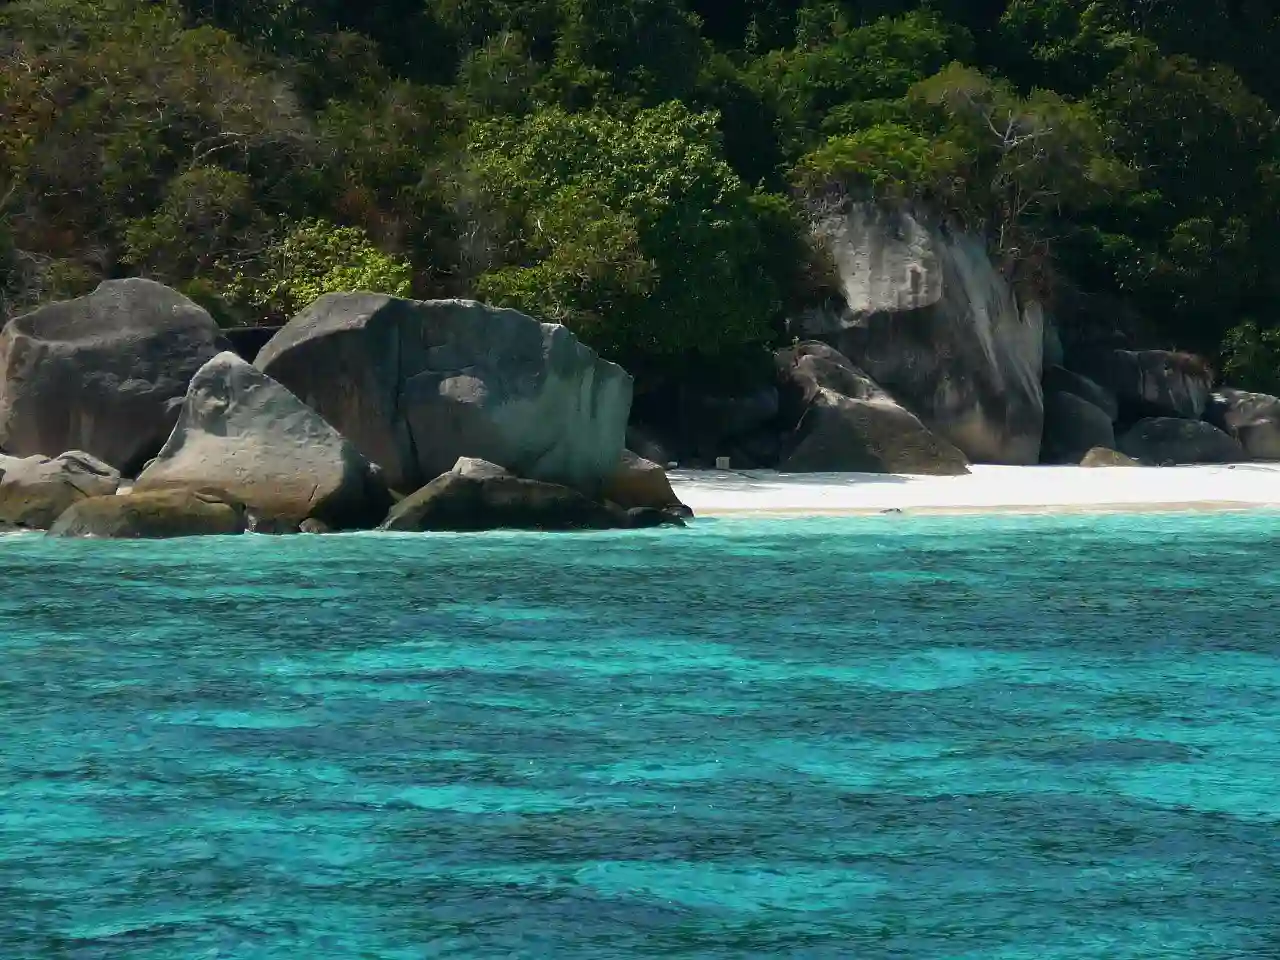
[
  {"x": 35, "y": 491},
  {"x": 105, "y": 373},
  {"x": 242, "y": 432},
  {"x": 1101, "y": 457},
  {"x": 154, "y": 514},
  {"x": 844, "y": 421},
  {"x": 416, "y": 385}
]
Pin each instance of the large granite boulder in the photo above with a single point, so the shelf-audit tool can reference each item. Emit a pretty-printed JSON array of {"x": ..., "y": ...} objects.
[
  {"x": 929, "y": 317},
  {"x": 242, "y": 432},
  {"x": 416, "y": 385},
  {"x": 1061, "y": 380},
  {"x": 1252, "y": 418},
  {"x": 154, "y": 514},
  {"x": 35, "y": 491},
  {"x": 474, "y": 500},
  {"x": 638, "y": 482},
  {"x": 103, "y": 374},
  {"x": 1150, "y": 383},
  {"x": 844, "y": 422},
  {"x": 1169, "y": 440},
  {"x": 1073, "y": 427}
]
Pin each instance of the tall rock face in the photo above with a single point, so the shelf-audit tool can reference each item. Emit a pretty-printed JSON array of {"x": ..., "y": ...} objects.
[
  {"x": 243, "y": 433},
  {"x": 415, "y": 385},
  {"x": 930, "y": 319},
  {"x": 103, "y": 374}
]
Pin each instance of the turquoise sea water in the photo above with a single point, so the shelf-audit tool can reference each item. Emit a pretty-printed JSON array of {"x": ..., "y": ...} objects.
[{"x": 889, "y": 737}]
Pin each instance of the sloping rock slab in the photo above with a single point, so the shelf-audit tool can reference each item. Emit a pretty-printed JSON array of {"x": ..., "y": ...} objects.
[
  {"x": 1252, "y": 418},
  {"x": 154, "y": 514},
  {"x": 416, "y": 385},
  {"x": 844, "y": 422},
  {"x": 103, "y": 374},
  {"x": 35, "y": 491},
  {"x": 1168, "y": 440},
  {"x": 242, "y": 432},
  {"x": 460, "y": 503}
]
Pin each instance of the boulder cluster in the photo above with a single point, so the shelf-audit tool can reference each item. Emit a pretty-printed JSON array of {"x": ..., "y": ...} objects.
[
  {"x": 129, "y": 413},
  {"x": 930, "y": 360},
  {"x": 364, "y": 412}
]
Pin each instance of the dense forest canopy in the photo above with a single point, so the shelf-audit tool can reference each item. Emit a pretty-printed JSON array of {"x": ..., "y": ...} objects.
[{"x": 642, "y": 170}]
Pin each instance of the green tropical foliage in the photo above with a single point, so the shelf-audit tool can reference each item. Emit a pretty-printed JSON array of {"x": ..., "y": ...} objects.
[{"x": 639, "y": 169}]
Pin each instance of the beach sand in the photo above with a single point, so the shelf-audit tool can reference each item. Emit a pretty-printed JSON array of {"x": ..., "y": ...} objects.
[{"x": 988, "y": 489}]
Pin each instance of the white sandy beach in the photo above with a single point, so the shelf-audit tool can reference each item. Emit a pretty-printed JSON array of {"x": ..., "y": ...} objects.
[{"x": 987, "y": 489}]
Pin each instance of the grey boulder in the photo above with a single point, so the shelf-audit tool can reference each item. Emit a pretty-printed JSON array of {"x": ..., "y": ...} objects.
[
  {"x": 1073, "y": 427},
  {"x": 416, "y": 385},
  {"x": 103, "y": 374},
  {"x": 488, "y": 500},
  {"x": 1151, "y": 383},
  {"x": 35, "y": 491},
  {"x": 844, "y": 422},
  {"x": 639, "y": 483},
  {"x": 242, "y": 432},
  {"x": 1061, "y": 380},
  {"x": 1168, "y": 440},
  {"x": 1252, "y": 418},
  {"x": 154, "y": 514},
  {"x": 931, "y": 319}
]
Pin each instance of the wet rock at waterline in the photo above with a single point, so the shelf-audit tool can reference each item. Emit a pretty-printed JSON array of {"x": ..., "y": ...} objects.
[
  {"x": 154, "y": 514},
  {"x": 35, "y": 491},
  {"x": 242, "y": 432}
]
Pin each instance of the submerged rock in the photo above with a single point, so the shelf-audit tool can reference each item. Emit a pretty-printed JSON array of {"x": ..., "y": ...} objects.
[
  {"x": 35, "y": 491},
  {"x": 846, "y": 423},
  {"x": 416, "y": 385},
  {"x": 103, "y": 374},
  {"x": 932, "y": 321},
  {"x": 242, "y": 432},
  {"x": 1168, "y": 440},
  {"x": 1252, "y": 418},
  {"x": 154, "y": 514}
]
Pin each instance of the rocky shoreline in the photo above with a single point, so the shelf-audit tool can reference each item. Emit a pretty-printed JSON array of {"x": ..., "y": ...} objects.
[{"x": 373, "y": 412}]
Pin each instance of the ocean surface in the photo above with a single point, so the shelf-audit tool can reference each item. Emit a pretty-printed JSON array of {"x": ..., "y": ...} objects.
[{"x": 884, "y": 737}]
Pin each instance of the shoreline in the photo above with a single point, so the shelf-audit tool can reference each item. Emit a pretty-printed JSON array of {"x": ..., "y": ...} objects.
[{"x": 997, "y": 490}]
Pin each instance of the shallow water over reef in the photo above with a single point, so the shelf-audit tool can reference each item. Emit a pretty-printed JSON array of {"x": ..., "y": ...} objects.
[{"x": 884, "y": 737}]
